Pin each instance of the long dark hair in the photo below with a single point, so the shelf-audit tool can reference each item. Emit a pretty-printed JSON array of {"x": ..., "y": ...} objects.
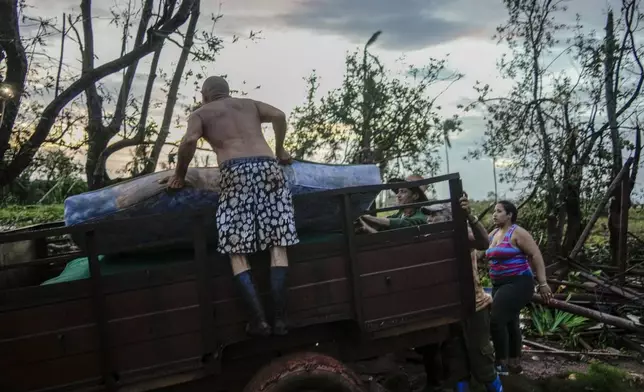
[{"x": 510, "y": 208}]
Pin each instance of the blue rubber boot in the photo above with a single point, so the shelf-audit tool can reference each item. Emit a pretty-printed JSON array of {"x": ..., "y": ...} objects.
[
  {"x": 462, "y": 386},
  {"x": 502, "y": 370},
  {"x": 257, "y": 326},
  {"x": 494, "y": 386},
  {"x": 278, "y": 293}
]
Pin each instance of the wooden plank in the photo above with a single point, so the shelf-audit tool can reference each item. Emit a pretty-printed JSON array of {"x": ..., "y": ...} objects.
[
  {"x": 150, "y": 277},
  {"x": 122, "y": 304},
  {"x": 209, "y": 335},
  {"x": 352, "y": 268},
  {"x": 99, "y": 312},
  {"x": 307, "y": 301},
  {"x": 398, "y": 237},
  {"x": 401, "y": 324},
  {"x": 51, "y": 294},
  {"x": 303, "y": 252},
  {"x": 409, "y": 278},
  {"x": 45, "y": 318},
  {"x": 405, "y": 256},
  {"x": 52, "y": 373},
  {"x": 388, "y": 305},
  {"x": 462, "y": 249},
  {"x": 136, "y": 357}
]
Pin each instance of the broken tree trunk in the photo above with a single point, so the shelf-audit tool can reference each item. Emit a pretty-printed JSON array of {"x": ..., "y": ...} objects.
[
  {"x": 562, "y": 271},
  {"x": 622, "y": 246},
  {"x": 600, "y": 208},
  {"x": 591, "y": 314}
]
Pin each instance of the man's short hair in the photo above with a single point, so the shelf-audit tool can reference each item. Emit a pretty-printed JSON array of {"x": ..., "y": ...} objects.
[{"x": 438, "y": 213}]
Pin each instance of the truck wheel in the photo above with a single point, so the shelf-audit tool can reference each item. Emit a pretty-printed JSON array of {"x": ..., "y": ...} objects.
[{"x": 302, "y": 372}]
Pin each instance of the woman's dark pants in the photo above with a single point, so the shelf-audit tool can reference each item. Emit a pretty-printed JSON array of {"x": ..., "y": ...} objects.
[{"x": 510, "y": 295}]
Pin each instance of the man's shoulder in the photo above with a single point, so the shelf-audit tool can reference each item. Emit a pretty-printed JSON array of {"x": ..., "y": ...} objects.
[{"x": 419, "y": 214}]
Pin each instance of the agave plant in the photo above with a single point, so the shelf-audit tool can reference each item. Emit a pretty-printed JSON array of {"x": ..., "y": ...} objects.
[{"x": 548, "y": 322}]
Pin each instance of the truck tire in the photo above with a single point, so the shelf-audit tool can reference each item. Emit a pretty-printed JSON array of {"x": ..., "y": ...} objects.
[{"x": 302, "y": 372}]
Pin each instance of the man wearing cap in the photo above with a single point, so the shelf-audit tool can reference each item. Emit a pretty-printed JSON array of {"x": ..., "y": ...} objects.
[{"x": 406, "y": 216}]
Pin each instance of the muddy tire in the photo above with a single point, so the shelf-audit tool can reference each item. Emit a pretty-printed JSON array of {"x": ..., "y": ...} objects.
[{"x": 302, "y": 372}]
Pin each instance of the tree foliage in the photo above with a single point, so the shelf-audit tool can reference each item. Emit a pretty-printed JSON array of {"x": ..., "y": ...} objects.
[
  {"x": 553, "y": 125},
  {"x": 375, "y": 116}
]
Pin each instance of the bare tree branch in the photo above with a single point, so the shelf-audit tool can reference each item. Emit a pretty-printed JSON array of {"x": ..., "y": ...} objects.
[
  {"x": 48, "y": 116},
  {"x": 164, "y": 131}
]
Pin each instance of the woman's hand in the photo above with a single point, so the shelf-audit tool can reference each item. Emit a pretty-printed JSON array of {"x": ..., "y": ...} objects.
[{"x": 545, "y": 292}]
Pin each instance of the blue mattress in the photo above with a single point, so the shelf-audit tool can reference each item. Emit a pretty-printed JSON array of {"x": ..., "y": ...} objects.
[{"x": 145, "y": 196}]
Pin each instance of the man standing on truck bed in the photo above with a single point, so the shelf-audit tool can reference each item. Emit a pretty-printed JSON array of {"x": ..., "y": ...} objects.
[{"x": 255, "y": 210}]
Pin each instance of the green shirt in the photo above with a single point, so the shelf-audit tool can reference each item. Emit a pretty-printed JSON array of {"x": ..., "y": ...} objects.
[{"x": 398, "y": 220}]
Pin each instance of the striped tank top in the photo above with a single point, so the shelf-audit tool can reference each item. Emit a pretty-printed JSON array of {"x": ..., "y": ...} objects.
[{"x": 505, "y": 259}]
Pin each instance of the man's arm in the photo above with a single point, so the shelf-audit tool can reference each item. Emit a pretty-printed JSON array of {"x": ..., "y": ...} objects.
[
  {"x": 188, "y": 145},
  {"x": 271, "y": 114},
  {"x": 395, "y": 223},
  {"x": 478, "y": 237},
  {"x": 375, "y": 220}
]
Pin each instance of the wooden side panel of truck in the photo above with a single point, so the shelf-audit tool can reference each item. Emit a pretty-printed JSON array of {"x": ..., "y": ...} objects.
[{"x": 353, "y": 296}]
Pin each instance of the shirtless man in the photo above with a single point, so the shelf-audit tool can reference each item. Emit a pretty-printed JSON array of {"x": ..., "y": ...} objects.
[{"x": 255, "y": 210}]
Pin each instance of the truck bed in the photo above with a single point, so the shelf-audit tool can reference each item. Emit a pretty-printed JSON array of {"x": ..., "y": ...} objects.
[{"x": 355, "y": 296}]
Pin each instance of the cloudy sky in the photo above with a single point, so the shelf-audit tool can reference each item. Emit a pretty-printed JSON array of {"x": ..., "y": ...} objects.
[{"x": 298, "y": 36}]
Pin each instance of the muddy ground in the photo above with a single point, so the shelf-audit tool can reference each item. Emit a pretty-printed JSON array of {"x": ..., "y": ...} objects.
[{"x": 404, "y": 372}]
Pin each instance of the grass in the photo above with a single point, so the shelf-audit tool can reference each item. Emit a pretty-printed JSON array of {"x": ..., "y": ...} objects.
[
  {"x": 20, "y": 216},
  {"x": 600, "y": 377}
]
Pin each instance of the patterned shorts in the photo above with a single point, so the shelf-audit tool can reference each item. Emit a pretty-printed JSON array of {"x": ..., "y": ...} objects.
[{"x": 255, "y": 210}]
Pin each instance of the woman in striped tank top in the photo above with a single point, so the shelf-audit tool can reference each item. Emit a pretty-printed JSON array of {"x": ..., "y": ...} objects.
[{"x": 514, "y": 259}]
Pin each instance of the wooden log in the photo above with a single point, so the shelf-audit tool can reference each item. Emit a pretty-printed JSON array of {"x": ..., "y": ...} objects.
[
  {"x": 539, "y": 345},
  {"x": 633, "y": 270},
  {"x": 569, "y": 284},
  {"x": 591, "y": 314},
  {"x": 624, "y": 292},
  {"x": 577, "y": 353},
  {"x": 600, "y": 331},
  {"x": 599, "y": 299},
  {"x": 632, "y": 345}
]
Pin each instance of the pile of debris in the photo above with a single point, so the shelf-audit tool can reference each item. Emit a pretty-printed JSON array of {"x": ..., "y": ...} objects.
[
  {"x": 613, "y": 296},
  {"x": 614, "y": 300}
]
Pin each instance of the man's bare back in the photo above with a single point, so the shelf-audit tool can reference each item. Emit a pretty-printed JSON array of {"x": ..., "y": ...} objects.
[{"x": 233, "y": 128}]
